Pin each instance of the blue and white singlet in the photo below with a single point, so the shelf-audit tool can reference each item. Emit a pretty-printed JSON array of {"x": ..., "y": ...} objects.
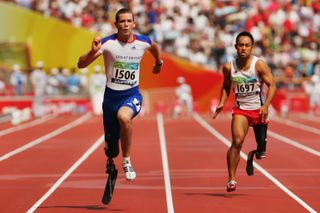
[{"x": 122, "y": 61}]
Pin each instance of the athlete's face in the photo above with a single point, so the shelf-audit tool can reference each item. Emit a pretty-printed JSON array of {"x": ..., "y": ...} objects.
[
  {"x": 125, "y": 24},
  {"x": 244, "y": 46}
]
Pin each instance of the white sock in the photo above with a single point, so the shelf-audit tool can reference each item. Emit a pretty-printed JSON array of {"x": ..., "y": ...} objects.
[{"x": 126, "y": 160}]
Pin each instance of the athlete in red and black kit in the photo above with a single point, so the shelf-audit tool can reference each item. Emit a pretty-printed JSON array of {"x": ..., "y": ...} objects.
[{"x": 247, "y": 74}]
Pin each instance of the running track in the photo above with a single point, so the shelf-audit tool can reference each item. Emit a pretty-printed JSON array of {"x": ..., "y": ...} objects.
[{"x": 56, "y": 164}]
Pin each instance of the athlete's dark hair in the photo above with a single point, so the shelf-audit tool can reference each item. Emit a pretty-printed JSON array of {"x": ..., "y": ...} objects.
[
  {"x": 123, "y": 11},
  {"x": 244, "y": 33}
]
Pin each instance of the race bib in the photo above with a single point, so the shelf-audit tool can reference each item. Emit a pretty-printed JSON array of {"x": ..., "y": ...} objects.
[
  {"x": 245, "y": 86},
  {"x": 246, "y": 89},
  {"x": 124, "y": 73}
]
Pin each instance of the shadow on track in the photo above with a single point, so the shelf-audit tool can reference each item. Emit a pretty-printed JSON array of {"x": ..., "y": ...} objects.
[
  {"x": 88, "y": 207},
  {"x": 226, "y": 195}
]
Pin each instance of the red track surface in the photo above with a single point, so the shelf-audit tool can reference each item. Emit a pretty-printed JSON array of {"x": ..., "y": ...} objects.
[{"x": 196, "y": 161}]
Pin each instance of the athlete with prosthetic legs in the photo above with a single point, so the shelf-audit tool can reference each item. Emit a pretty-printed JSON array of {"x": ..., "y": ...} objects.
[
  {"x": 122, "y": 53},
  {"x": 247, "y": 74}
]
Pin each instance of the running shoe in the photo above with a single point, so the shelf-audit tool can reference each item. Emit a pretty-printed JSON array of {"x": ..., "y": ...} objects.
[
  {"x": 129, "y": 172},
  {"x": 260, "y": 155},
  {"x": 231, "y": 186}
]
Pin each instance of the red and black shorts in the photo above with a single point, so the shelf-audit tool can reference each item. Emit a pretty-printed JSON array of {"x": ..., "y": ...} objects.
[{"x": 253, "y": 116}]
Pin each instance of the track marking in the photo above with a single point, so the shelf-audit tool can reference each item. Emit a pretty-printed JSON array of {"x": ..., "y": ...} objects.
[
  {"x": 47, "y": 136},
  {"x": 293, "y": 143},
  {"x": 297, "y": 125},
  {"x": 309, "y": 117},
  {"x": 67, "y": 174},
  {"x": 27, "y": 125},
  {"x": 224, "y": 140},
  {"x": 165, "y": 164}
]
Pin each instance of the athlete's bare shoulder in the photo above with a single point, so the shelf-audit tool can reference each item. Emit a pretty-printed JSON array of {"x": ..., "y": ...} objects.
[
  {"x": 262, "y": 66},
  {"x": 261, "y": 61}
]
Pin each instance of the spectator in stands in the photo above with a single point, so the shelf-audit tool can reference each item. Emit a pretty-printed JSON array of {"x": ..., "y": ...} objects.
[
  {"x": 312, "y": 88},
  {"x": 62, "y": 78},
  {"x": 84, "y": 81},
  {"x": 38, "y": 79},
  {"x": 2, "y": 85},
  {"x": 305, "y": 68},
  {"x": 286, "y": 30},
  {"x": 97, "y": 84},
  {"x": 184, "y": 98},
  {"x": 73, "y": 82},
  {"x": 52, "y": 87},
  {"x": 18, "y": 80}
]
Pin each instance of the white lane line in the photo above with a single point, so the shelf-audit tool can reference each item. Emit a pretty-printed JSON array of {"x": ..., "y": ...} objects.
[
  {"x": 47, "y": 136},
  {"x": 297, "y": 125},
  {"x": 309, "y": 117},
  {"x": 27, "y": 125},
  {"x": 165, "y": 164},
  {"x": 67, "y": 174},
  {"x": 224, "y": 140},
  {"x": 293, "y": 143}
]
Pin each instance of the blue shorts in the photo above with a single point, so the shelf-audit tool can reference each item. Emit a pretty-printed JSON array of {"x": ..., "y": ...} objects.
[{"x": 112, "y": 102}]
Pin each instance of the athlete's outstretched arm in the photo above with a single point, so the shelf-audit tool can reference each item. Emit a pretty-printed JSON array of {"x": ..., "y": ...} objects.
[
  {"x": 90, "y": 56},
  {"x": 265, "y": 73},
  {"x": 155, "y": 52},
  {"x": 225, "y": 90}
]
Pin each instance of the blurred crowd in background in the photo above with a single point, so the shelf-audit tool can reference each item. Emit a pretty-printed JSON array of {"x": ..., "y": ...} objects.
[
  {"x": 287, "y": 33},
  {"x": 53, "y": 82}
]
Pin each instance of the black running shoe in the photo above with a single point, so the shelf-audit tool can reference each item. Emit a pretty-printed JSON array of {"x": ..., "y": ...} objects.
[{"x": 260, "y": 155}]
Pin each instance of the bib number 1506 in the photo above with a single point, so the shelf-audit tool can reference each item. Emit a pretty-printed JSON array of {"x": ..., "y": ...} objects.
[{"x": 125, "y": 74}]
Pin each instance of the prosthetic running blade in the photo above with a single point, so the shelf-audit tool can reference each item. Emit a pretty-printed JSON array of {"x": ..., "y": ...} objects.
[
  {"x": 108, "y": 191},
  {"x": 249, "y": 168}
]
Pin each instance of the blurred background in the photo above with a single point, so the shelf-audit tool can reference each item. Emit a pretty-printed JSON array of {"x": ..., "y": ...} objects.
[{"x": 41, "y": 41}]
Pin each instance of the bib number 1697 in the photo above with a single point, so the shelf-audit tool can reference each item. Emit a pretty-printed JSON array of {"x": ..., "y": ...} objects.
[{"x": 245, "y": 87}]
